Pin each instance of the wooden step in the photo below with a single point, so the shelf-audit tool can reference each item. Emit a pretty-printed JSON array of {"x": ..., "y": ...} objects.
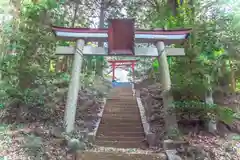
[
  {"x": 118, "y": 118},
  {"x": 117, "y": 100},
  {"x": 120, "y": 144},
  {"x": 121, "y": 106},
  {"x": 121, "y": 116},
  {"x": 122, "y": 111},
  {"x": 137, "y": 139},
  {"x": 124, "y": 96},
  {"x": 123, "y": 101},
  {"x": 114, "y": 120},
  {"x": 124, "y": 104},
  {"x": 120, "y": 123},
  {"x": 115, "y": 114},
  {"x": 117, "y": 121},
  {"x": 113, "y": 126},
  {"x": 122, "y": 133},
  {"x": 105, "y": 129},
  {"x": 87, "y": 155}
]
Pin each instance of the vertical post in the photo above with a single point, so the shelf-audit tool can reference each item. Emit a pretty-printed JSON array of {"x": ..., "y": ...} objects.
[
  {"x": 170, "y": 118},
  {"x": 70, "y": 111},
  {"x": 163, "y": 66},
  {"x": 133, "y": 65},
  {"x": 113, "y": 66}
]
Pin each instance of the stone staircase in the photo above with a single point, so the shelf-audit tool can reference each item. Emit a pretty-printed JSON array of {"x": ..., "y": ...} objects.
[{"x": 121, "y": 125}]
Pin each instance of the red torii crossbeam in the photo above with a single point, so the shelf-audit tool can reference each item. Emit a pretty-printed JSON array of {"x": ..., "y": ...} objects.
[{"x": 117, "y": 63}]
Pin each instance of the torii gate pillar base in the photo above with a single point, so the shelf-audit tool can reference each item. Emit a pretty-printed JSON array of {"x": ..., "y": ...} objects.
[
  {"x": 70, "y": 110},
  {"x": 170, "y": 118}
]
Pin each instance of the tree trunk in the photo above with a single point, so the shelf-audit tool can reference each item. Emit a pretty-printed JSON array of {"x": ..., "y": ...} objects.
[
  {"x": 233, "y": 79},
  {"x": 99, "y": 63},
  {"x": 67, "y": 59},
  {"x": 173, "y": 5}
]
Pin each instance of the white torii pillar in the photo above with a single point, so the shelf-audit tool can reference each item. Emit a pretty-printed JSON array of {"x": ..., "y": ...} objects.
[
  {"x": 170, "y": 118},
  {"x": 70, "y": 111}
]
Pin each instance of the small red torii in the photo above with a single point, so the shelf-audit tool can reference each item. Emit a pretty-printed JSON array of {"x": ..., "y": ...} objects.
[{"x": 117, "y": 63}]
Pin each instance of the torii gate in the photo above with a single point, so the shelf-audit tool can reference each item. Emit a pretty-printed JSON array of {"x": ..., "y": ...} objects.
[
  {"x": 121, "y": 37},
  {"x": 118, "y": 63}
]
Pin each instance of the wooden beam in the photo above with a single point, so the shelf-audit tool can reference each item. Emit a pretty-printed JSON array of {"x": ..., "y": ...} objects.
[{"x": 139, "y": 51}]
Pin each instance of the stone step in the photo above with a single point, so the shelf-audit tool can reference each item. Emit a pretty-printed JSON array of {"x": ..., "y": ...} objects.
[{"x": 87, "y": 155}]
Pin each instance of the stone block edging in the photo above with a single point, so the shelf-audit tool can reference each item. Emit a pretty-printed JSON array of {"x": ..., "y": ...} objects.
[
  {"x": 146, "y": 127},
  {"x": 92, "y": 135}
]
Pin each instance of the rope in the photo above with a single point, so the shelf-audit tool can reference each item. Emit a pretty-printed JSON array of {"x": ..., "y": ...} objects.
[
  {"x": 80, "y": 52},
  {"x": 161, "y": 52}
]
